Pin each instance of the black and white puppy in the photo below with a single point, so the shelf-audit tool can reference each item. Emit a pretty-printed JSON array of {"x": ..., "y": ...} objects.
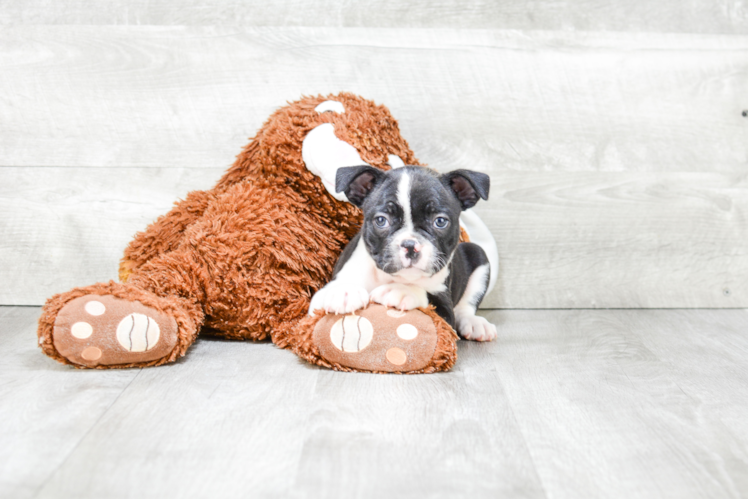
[{"x": 407, "y": 254}]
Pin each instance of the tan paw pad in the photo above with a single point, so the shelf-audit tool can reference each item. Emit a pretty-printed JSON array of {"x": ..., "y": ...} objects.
[
  {"x": 377, "y": 339},
  {"x": 396, "y": 356},
  {"x": 106, "y": 330},
  {"x": 91, "y": 353}
]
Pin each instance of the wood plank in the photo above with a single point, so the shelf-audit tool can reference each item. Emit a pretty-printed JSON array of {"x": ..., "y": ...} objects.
[
  {"x": 510, "y": 100},
  {"x": 585, "y": 403},
  {"x": 227, "y": 420},
  {"x": 703, "y": 16},
  {"x": 450, "y": 435},
  {"x": 565, "y": 239},
  {"x": 70, "y": 226},
  {"x": 249, "y": 420},
  {"x": 607, "y": 239},
  {"x": 717, "y": 386},
  {"x": 605, "y": 416},
  {"x": 46, "y": 408}
]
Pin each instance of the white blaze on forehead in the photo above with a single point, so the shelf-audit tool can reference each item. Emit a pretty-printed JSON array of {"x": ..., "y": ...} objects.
[
  {"x": 324, "y": 154},
  {"x": 403, "y": 199},
  {"x": 335, "y": 106},
  {"x": 408, "y": 232}
]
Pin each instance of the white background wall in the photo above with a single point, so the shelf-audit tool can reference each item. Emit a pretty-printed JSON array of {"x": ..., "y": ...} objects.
[{"x": 613, "y": 131}]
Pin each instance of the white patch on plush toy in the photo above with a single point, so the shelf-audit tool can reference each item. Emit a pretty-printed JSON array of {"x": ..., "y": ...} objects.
[
  {"x": 95, "y": 308},
  {"x": 81, "y": 330},
  {"x": 395, "y": 161},
  {"x": 352, "y": 333},
  {"x": 406, "y": 331},
  {"x": 324, "y": 154},
  {"x": 480, "y": 235},
  {"x": 138, "y": 332},
  {"x": 335, "y": 106}
]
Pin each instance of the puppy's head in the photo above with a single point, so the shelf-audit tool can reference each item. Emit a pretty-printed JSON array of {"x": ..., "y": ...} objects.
[{"x": 411, "y": 214}]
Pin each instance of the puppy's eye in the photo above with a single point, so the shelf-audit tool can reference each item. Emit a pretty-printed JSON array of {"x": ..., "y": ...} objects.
[
  {"x": 381, "y": 221},
  {"x": 441, "y": 222}
]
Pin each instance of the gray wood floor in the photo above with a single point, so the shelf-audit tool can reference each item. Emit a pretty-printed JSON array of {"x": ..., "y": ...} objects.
[{"x": 567, "y": 403}]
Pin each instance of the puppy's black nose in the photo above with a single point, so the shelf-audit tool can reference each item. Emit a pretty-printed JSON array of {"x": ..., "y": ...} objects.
[{"x": 411, "y": 248}]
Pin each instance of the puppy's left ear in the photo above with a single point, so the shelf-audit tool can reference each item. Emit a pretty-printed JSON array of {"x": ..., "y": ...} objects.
[{"x": 468, "y": 186}]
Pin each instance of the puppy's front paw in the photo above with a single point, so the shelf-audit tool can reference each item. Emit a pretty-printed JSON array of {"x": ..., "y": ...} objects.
[
  {"x": 474, "y": 327},
  {"x": 403, "y": 297},
  {"x": 339, "y": 299}
]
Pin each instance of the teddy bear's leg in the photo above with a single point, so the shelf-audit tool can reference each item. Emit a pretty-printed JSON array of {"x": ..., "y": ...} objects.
[
  {"x": 165, "y": 233},
  {"x": 375, "y": 339},
  {"x": 150, "y": 320},
  {"x": 116, "y": 325}
]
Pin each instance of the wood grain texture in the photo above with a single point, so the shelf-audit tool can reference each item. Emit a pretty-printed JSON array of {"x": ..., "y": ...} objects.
[
  {"x": 230, "y": 419},
  {"x": 510, "y": 100},
  {"x": 70, "y": 226},
  {"x": 585, "y": 403},
  {"x": 618, "y": 160},
  {"x": 46, "y": 409},
  {"x": 281, "y": 428},
  {"x": 615, "y": 403},
  {"x": 605, "y": 239},
  {"x": 702, "y": 16},
  {"x": 424, "y": 436},
  {"x": 565, "y": 239}
]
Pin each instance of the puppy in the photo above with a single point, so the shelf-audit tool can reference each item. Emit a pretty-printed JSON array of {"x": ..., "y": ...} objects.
[{"x": 407, "y": 254}]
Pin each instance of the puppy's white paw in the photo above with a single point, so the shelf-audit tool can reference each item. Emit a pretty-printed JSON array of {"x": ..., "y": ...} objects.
[
  {"x": 403, "y": 297},
  {"x": 474, "y": 327},
  {"x": 339, "y": 299}
]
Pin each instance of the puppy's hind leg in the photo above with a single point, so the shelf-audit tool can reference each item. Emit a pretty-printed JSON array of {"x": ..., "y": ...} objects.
[{"x": 469, "y": 325}]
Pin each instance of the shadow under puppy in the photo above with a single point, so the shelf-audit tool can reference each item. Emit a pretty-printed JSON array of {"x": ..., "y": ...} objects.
[{"x": 407, "y": 254}]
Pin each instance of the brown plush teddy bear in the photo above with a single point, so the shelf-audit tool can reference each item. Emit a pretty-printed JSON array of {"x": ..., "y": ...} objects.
[{"x": 242, "y": 260}]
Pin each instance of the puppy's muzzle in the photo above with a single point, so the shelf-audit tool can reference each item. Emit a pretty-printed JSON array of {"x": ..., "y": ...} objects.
[{"x": 410, "y": 251}]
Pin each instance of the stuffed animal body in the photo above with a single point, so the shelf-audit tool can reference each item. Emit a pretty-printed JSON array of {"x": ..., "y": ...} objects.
[{"x": 242, "y": 260}]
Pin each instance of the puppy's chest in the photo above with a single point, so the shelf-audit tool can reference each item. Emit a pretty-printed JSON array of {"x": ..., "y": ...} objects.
[{"x": 437, "y": 283}]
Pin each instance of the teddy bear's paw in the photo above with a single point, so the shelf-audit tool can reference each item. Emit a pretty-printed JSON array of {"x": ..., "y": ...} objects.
[
  {"x": 377, "y": 339},
  {"x": 96, "y": 330}
]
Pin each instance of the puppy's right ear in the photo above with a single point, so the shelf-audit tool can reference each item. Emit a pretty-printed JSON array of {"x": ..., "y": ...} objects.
[{"x": 357, "y": 182}]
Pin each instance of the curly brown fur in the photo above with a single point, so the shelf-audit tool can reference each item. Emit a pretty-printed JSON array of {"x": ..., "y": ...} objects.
[
  {"x": 243, "y": 259},
  {"x": 254, "y": 249},
  {"x": 165, "y": 234},
  {"x": 274, "y": 154}
]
